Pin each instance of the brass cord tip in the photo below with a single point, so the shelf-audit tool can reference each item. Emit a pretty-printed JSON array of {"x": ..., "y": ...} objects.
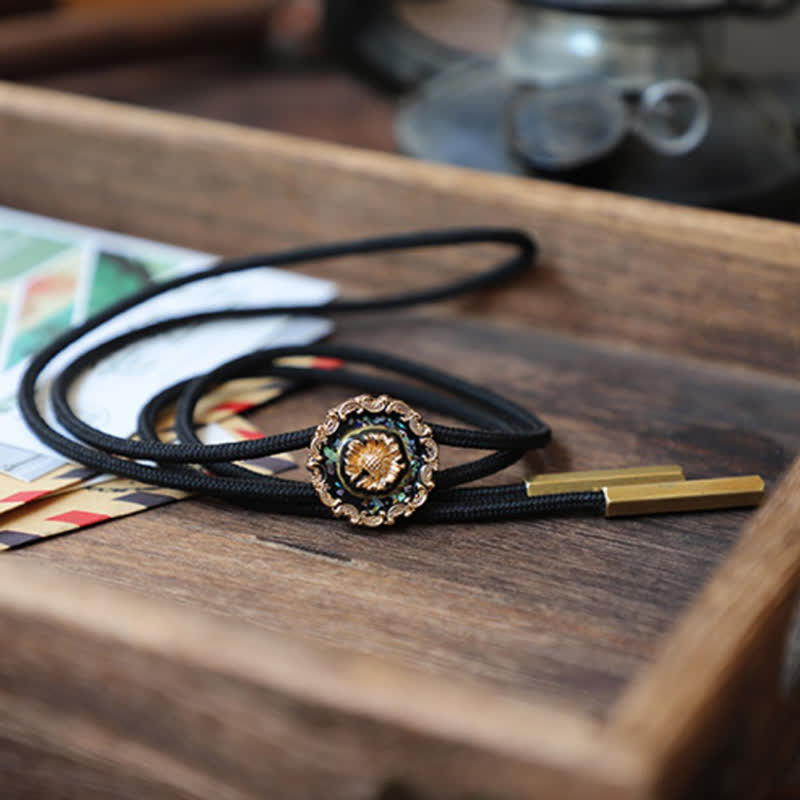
[
  {"x": 597, "y": 479},
  {"x": 697, "y": 495}
]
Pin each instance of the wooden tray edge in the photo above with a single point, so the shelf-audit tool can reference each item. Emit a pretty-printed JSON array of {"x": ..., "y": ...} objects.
[
  {"x": 665, "y": 221},
  {"x": 735, "y": 691},
  {"x": 78, "y": 643}
]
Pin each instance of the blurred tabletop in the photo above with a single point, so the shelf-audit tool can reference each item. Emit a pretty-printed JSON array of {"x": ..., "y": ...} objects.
[{"x": 318, "y": 100}]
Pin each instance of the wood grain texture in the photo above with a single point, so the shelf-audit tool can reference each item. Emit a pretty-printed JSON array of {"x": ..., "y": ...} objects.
[
  {"x": 650, "y": 334},
  {"x": 632, "y": 272},
  {"x": 164, "y": 704},
  {"x": 735, "y": 695},
  {"x": 567, "y": 609}
]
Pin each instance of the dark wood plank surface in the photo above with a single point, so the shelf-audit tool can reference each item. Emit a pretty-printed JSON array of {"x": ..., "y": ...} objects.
[
  {"x": 630, "y": 272},
  {"x": 569, "y": 609},
  {"x": 109, "y": 694}
]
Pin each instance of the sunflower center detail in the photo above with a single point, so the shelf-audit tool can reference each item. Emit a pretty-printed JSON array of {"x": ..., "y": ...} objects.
[{"x": 373, "y": 461}]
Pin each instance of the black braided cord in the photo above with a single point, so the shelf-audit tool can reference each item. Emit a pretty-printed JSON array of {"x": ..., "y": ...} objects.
[{"x": 500, "y": 426}]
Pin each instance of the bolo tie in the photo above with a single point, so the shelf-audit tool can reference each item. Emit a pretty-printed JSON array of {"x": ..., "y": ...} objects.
[{"x": 373, "y": 460}]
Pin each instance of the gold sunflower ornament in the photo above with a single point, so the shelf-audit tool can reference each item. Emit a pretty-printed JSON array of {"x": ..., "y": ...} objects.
[{"x": 372, "y": 460}]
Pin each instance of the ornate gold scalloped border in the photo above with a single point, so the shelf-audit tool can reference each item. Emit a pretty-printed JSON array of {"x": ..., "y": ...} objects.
[{"x": 373, "y": 405}]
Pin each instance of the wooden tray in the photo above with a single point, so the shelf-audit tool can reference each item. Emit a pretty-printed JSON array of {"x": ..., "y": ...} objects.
[{"x": 205, "y": 651}]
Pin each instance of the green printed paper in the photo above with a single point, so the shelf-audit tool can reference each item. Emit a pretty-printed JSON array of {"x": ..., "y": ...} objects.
[{"x": 51, "y": 280}]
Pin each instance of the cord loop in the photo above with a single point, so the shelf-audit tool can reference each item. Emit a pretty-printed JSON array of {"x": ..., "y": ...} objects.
[{"x": 499, "y": 425}]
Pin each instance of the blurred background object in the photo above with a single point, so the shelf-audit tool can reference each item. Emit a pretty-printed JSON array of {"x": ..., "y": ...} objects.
[
  {"x": 75, "y": 33},
  {"x": 680, "y": 100},
  {"x": 293, "y": 34},
  {"x": 8, "y": 7},
  {"x": 632, "y": 96}
]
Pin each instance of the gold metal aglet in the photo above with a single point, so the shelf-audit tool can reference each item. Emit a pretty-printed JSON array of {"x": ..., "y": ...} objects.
[
  {"x": 598, "y": 479},
  {"x": 700, "y": 495}
]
